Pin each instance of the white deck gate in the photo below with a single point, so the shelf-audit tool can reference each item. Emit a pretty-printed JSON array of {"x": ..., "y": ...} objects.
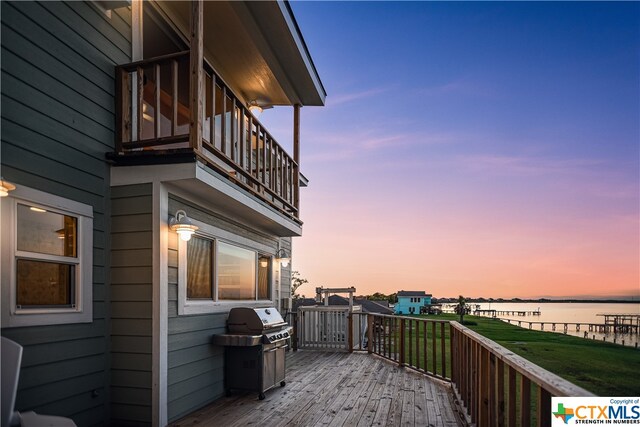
[{"x": 326, "y": 327}]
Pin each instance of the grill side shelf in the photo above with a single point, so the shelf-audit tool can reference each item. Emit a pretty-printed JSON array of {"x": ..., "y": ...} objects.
[{"x": 237, "y": 340}]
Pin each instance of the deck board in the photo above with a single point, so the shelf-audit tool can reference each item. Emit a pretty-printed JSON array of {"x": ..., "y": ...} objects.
[{"x": 337, "y": 389}]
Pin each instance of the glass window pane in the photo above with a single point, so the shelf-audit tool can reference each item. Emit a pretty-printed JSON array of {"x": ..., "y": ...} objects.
[
  {"x": 264, "y": 277},
  {"x": 46, "y": 232},
  {"x": 44, "y": 283},
  {"x": 199, "y": 257},
  {"x": 236, "y": 273}
]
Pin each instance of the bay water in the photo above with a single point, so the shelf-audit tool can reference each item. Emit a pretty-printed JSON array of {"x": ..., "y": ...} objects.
[{"x": 569, "y": 312}]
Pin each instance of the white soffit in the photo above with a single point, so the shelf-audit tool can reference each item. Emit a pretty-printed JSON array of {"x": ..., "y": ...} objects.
[{"x": 258, "y": 50}]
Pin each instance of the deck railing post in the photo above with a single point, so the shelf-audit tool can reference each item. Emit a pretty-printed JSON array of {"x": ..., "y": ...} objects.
[
  {"x": 350, "y": 331},
  {"x": 294, "y": 340},
  {"x": 401, "y": 352},
  {"x": 370, "y": 333}
]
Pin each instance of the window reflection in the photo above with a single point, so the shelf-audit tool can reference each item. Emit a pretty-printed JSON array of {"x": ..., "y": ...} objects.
[
  {"x": 199, "y": 271},
  {"x": 43, "y": 284},
  {"x": 264, "y": 275},
  {"x": 46, "y": 232},
  {"x": 236, "y": 272}
]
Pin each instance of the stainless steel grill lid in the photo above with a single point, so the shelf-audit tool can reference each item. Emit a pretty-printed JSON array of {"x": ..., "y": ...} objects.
[{"x": 244, "y": 320}]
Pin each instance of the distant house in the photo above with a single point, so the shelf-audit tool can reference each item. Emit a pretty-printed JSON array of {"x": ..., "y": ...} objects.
[
  {"x": 367, "y": 306},
  {"x": 412, "y": 302}
]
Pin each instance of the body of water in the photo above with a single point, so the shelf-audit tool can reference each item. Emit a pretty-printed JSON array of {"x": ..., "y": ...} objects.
[{"x": 576, "y": 312}]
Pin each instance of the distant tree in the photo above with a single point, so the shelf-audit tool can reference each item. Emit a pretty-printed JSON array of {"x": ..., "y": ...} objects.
[
  {"x": 377, "y": 296},
  {"x": 461, "y": 308},
  {"x": 392, "y": 298},
  {"x": 296, "y": 282}
]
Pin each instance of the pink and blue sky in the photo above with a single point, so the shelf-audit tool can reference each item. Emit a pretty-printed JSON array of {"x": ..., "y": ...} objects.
[{"x": 483, "y": 149}]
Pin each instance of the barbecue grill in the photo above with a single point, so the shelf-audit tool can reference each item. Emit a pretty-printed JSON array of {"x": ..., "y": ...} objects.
[{"x": 254, "y": 349}]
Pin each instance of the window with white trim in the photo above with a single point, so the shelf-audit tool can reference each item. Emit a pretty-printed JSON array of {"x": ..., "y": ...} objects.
[
  {"x": 47, "y": 244},
  {"x": 215, "y": 273}
]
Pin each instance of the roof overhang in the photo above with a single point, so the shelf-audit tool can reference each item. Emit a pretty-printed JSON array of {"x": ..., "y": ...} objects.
[{"x": 257, "y": 48}]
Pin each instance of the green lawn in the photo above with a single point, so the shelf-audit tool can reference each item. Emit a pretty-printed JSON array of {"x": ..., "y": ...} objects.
[{"x": 605, "y": 369}]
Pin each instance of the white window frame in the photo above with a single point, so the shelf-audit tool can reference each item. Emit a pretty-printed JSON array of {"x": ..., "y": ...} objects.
[
  {"x": 82, "y": 312},
  {"x": 188, "y": 306}
]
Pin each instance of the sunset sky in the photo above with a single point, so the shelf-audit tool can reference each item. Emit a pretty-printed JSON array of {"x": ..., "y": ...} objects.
[{"x": 483, "y": 149}]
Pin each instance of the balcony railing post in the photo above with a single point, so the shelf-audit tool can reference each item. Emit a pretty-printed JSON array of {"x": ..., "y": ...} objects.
[
  {"x": 296, "y": 158},
  {"x": 156, "y": 101},
  {"x": 139, "y": 102},
  {"x": 196, "y": 71},
  {"x": 121, "y": 102}
]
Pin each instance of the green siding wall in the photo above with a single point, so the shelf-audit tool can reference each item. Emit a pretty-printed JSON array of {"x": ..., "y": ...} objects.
[
  {"x": 131, "y": 304},
  {"x": 57, "y": 124},
  {"x": 195, "y": 366}
]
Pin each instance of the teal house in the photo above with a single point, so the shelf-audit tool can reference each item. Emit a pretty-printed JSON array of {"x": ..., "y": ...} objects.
[
  {"x": 412, "y": 302},
  {"x": 142, "y": 197}
]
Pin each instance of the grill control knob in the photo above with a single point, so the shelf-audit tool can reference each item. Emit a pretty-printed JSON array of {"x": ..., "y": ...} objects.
[{"x": 286, "y": 334}]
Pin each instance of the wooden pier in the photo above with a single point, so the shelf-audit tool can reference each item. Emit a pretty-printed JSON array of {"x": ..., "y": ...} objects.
[
  {"x": 496, "y": 313},
  {"x": 604, "y": 328},
  {"x": 622, "y": 322}
]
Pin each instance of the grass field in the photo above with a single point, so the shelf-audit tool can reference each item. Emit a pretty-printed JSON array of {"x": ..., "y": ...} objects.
[{"x": 605, "y": 369}]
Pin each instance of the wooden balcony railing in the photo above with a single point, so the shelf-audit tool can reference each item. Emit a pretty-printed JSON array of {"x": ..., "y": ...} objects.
[
  {"x": 154, "y": 117},
  {"x": 494, "y": 386}
]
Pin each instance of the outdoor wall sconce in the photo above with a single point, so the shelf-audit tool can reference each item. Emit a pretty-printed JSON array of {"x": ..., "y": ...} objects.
[
  {"x": 255, "y": 109},
  {"x": 181, "y": 224},
  {"x": 264, "y": 262},
  {"x": 283, "y": 257},
  {"x": 5, "y": 187}
]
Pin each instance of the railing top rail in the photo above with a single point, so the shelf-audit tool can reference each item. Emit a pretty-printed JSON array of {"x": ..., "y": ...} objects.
[
  {"x": 551, "y": 382},
  {"x": 324, "y": 308},
  {"x": 423, "y": 319},
  {"x": 133, "y": 65}
]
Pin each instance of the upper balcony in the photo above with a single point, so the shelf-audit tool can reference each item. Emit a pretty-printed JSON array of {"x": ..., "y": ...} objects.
[
  {"x": 154, "y": 125},
  {"x": 193, "y": 106}
]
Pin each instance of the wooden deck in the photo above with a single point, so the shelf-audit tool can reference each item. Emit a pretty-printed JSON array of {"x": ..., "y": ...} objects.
[{"x": 338, "y": 389}]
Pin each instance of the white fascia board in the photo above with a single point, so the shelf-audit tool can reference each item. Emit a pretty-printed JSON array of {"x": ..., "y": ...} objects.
[{"x": 196, "y": 179}]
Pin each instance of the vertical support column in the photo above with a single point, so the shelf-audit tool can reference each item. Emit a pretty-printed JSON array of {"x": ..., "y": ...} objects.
[
  {"x": 296, "y": 158},
  {"x": 160, "y": 316},
  {"x": 136, "y": 30},
  {"x": 196, "y": 70}
]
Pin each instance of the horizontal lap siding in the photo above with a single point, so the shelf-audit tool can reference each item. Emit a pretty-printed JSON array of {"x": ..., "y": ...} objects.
[
  {"x": 195, "y": 366},
  {"x": 57, "y": 124},
  {"x": 285, "y": 272},
  {"x": 131, "y": 304}
]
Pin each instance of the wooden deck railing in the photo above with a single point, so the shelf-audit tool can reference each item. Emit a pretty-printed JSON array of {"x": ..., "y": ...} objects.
[
  {"x": 328, "y": 328},
  {"x": 154, "y": 116},
  {"x": 498, "y": 387},
  {"x": 494, "y": 386},
  {"x": 415, "y": 342}
]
